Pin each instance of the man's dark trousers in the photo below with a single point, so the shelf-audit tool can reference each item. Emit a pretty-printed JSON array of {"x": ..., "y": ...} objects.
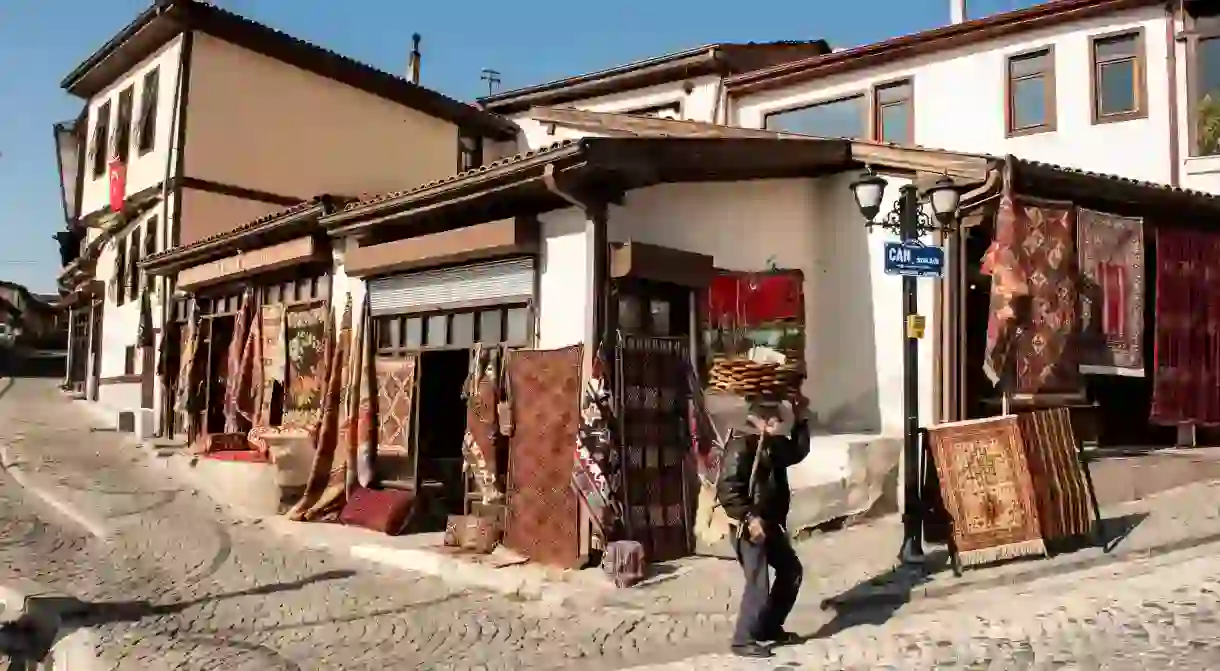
[{"x": 765, "y": 607}]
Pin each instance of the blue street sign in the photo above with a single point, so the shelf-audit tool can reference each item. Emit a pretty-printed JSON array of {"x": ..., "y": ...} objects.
[{"x": 912, "y": 258}]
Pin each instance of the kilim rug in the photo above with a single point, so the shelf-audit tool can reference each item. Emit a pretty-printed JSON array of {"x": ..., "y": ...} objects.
[
  {"x": 1111, "y": 251},
  {"x": 1060, "y": 490},
  {"x": 395, "y": 378},
  {"x": 654, "y": 395},
  {"x": 543, "y": 517},
  {"x": 987, "y": 489},
  {"x": 1032, "y": 263}
]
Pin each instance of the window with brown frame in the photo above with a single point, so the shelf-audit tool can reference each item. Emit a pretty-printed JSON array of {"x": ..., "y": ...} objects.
[
  {"x": 840, "y": 118},
  {"x": 894, "y": 112},
  {"x": 146, "y": 127},
  {"x": 101, "y": 139},
  {"x": 129, "y": 360},
  {"x": 120, "y": 269},
  {"x": 457, "y": 329},
  {"x": 1203, "y": 49},
  {"x": 1030, "y": 92},
  {"x": 133, "y": 264},
  {"x": 1119, "y": 85},
  {"x": 122, "y": 124},
  {"x": 150, "y": 248}
]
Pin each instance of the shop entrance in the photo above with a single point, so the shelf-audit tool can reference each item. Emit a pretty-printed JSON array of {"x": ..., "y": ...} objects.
[
  {"x": 442, "y": 425},
  {"x": 428, "y": 457},
  {"x": 1116, "y": 407}
]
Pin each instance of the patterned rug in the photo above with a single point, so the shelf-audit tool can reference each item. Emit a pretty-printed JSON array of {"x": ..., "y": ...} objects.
[
  {"x": 1033, "y": 297},
  {"x": 1060, "y": 489},
  {"x": 987, "y": 489},
  {"x": 543, "y": 515},
  {"x": 305, "y": 337},
  {"x": 1111, "y": 251},
  {"x": 395, "y": 398}
]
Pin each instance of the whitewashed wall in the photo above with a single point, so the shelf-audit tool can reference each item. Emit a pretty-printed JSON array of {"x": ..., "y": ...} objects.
[
  {"x": 960, "y": 99},
  {"x": 563, "y": 282},
  {"x": 142, "y": 170}
]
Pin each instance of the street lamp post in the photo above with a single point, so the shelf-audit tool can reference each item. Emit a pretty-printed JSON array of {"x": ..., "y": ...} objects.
[{"x": 910, "y": 221}]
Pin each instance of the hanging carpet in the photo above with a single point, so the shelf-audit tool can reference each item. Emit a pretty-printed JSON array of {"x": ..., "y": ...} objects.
[
  {"x": 396, "y": 378},
  {"x": 596, "y": 473},
  {"x": 654, "y": 395},
  {"x": 987, "y": 490},
  {"x": 1032, "y": 262},
  {"x": 272, "y": 355},
  {"x": 543, "y": 518},
  {"x": 1111, "y": 251},
  {"x": 1186, "y": 383},
  {"x": 305, "y": 337},
  {"x": 326, "y": 488},
  {"x": 482, "y": 428},
  {"x": 238, "y": 360}
]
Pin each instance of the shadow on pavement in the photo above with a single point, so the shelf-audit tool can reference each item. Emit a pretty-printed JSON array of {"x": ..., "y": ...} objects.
[{"x": 26, "y": 643}]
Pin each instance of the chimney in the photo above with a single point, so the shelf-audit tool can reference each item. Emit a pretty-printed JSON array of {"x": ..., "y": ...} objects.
[
  {"x": 413, "y": 61},
  {"x": 957, "y": 11}
]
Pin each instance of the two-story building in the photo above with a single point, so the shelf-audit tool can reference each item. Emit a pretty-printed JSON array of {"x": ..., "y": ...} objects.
[
  {"x": 197, "y": 120},
  {"x": 686, "y": 84}
]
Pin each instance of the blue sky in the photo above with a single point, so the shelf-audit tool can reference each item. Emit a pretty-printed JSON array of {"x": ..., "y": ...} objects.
[{"x": 528, "y": 42}]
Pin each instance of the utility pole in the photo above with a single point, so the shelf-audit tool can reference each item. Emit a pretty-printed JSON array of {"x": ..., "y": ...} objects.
[{"x": 492, "y": 77}]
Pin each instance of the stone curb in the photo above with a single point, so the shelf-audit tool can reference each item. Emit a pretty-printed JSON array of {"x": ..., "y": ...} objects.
[
  {"x": 889, "y": 596},
  {"x": 47, "y": 494}
]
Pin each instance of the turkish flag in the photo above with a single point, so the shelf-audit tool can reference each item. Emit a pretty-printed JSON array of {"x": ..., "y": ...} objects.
[{"x": 118, "y": 185}]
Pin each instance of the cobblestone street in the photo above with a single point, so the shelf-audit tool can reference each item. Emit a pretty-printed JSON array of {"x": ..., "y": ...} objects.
[{"x": 176, "y": 582}]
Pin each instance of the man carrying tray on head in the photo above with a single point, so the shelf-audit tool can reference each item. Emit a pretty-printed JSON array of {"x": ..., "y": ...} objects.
[{"x": 753, "y": 490}]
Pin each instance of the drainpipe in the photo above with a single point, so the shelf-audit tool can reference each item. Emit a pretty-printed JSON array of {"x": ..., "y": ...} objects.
[
  {"x": 1173, "y": 11},
  {"x": 597, "y": 257},
  {"x": 163, "y": 416}
]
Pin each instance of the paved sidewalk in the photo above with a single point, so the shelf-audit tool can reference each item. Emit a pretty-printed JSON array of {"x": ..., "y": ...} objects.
[{"x": 1138, "y": 615}]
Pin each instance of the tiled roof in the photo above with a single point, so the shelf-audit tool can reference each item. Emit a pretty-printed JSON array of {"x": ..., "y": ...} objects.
[
  {"x": 214, "y": 20},
  {"x": 515, "y": 158},
  {"x": 328, "y": 201},
  {"x": 1193, "y": 193}
]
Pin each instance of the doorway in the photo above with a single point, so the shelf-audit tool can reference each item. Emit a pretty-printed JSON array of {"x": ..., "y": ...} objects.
[
  {"x": 217, "y": 335},
  {"x": 441, "y": 421}
]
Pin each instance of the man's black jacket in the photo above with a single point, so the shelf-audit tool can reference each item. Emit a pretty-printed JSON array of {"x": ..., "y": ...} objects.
[{"x": 772, "y": 496}]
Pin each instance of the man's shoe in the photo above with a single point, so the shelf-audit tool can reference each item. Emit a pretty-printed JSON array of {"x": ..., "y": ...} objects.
[
  {"x": 751, "y": 650},
  {"x": 781, "y": 637}
]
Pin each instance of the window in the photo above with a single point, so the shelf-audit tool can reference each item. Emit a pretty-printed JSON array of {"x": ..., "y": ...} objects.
[
  {"x": 150, "y": 247},
  {"x": 129, "y": 360},
  {"x": 122, "y": 125},
  {"x": 894, "y": 112},
  {"x": 1118, "y": 79},
  {"x": 470, "y": 153},
  {"x": 1203, "y": 64},
  {"x": 668, "y": 111},
  {"x": 101, "y": 137},
  {"x": 1031, "y": 92},
  {"x": 146, "y": 125},
  {"x": 133, "y": 260},
  {"x": 120, "y": 272},
  {"x": 845, "y": 118},
  {"x": 494, "y": 325}
]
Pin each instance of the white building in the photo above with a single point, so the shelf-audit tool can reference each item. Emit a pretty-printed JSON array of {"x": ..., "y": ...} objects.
[
  {"x": 197, "y": 121},
  {"x": 1113, "y": 86},
  {"x": 681, "y": 85}
]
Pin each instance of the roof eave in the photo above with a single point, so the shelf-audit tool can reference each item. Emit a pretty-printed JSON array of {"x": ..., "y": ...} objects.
[
  {"x": 945, "y": 37},
  {"x": 179, "y": 258},
  {"x": 346, "y": 221},
  {"x": 161, "y": 9},
  {"x": 690, "y": 63}
]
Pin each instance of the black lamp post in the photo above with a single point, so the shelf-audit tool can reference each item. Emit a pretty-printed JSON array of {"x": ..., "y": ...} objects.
[{"x": 910, "y": 221}]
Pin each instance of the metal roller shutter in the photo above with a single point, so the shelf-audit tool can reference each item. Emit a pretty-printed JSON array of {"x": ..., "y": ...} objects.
[{"x": 508, "y": 281}]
